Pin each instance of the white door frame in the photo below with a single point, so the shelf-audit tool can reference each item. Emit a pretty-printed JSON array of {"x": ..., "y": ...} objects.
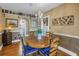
[
  {"x": 48, "y": 22},
  {"x": 25, "y": 25}
]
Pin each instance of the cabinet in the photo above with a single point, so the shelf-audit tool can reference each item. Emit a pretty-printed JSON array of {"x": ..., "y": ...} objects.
[
  {"x": 6, "y": 38},
  {"x": 9, "y": 38}
]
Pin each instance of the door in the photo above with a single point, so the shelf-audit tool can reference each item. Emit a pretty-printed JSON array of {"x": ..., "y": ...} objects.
[
  {"x": 45, "y": 24},
  {"x": 23, "y": 28}
]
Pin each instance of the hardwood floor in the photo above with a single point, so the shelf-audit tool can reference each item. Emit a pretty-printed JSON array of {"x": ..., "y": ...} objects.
[{"x": 10, "y": 50}]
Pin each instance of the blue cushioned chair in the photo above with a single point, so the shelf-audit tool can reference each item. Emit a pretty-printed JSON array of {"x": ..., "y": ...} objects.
[
  {"x": 45, "y": 51},
  {"x": 28, "y": 50}
]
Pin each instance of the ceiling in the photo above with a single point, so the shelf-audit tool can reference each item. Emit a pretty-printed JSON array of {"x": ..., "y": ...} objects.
[{"x": 29, "y": 8}]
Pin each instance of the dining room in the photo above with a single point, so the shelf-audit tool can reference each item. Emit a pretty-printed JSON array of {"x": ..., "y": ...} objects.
[{"x": 39, "y": 29}]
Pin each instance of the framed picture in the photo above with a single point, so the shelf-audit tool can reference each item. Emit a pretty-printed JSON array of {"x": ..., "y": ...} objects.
[
  {"x": 12, "y": 22},
  {"x": 45, "y": 21},
  {"x": 65, "y": 20}
]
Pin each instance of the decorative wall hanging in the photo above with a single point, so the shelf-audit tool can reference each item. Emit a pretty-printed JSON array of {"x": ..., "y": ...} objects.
[
  {"x": 66, "y": 20},
  {"x": 12, "y": 22},
  {"x": 45, "y": 21}
]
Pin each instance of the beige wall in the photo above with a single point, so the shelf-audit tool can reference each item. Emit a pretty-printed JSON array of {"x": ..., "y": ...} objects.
[
  {"x": 65, "y": 10},
  {"x": 2, "y": 23},
  {"x": 11, "y": 16}
]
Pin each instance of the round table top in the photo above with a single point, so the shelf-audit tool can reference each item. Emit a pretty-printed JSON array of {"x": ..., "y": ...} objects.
[{"x": 38, "y": 44}]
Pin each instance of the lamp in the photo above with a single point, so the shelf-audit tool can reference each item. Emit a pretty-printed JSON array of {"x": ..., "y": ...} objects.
[{"x": 9, "y": 27}]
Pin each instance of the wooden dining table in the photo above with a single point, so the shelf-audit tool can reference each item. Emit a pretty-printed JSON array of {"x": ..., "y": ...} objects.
[{"x": 33, "y": 42}]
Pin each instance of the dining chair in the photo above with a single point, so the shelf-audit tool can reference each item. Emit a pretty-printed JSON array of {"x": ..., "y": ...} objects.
[
  {"x": 54, "y": 46},
  {"x": 45, "y": 51},
  {"x": 27, "y": 50}
]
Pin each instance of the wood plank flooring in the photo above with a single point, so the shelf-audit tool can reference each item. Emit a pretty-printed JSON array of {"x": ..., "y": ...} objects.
[{"x": 10, "y": 50}]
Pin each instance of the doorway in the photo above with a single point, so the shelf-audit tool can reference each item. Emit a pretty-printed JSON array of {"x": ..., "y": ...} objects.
[{"x": 23, "y": 27}]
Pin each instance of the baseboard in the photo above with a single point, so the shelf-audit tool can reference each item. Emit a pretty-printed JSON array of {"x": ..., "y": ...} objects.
[
  {"x": 67, "y": 51},
  {"x": 15, "y": 41},
  {"x": 66, "y": 35}
]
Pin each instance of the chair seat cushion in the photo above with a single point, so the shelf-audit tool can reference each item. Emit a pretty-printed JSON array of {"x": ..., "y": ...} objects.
[
  {"x": 27, "y": 50},
  {"x": 45, "y": 51}
]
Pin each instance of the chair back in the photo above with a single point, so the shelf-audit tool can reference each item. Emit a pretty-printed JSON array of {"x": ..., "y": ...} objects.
[
  {"x": 32, "y": 34},
  {"x": 54, "y": 46}
]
